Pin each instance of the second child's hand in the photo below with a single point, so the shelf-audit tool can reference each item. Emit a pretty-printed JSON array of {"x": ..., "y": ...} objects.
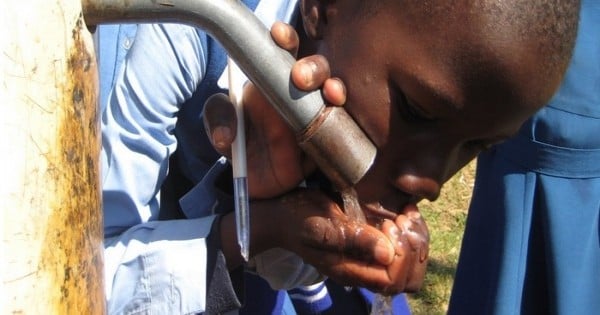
[{"x": 276, "y": 164}]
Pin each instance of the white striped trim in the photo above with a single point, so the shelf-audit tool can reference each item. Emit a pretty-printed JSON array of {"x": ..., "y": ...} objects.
[{"x": 310, "y": 298}]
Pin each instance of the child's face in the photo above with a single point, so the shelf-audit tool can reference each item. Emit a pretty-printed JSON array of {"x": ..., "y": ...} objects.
[{"x": 430, "y": 97}]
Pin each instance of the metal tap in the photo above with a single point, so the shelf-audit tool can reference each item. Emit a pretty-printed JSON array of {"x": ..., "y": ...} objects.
[{"x": 327, "y": 134}]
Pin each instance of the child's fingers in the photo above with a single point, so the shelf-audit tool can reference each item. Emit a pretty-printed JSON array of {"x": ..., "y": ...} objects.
[
  {"x": 286, "y": 37},
  {"x": 220, "y": 122},
  {"x": 334, "y": 91},
  {"x": 310, "y": 73}
]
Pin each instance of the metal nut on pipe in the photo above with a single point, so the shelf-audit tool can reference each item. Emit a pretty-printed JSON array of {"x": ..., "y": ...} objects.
[{"x": 338, "y": 146}]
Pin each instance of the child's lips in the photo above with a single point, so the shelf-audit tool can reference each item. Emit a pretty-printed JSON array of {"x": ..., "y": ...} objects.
[{"x": 377, "y": 210}]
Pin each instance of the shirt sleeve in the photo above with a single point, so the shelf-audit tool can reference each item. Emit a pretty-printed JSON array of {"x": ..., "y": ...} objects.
[
  {"x": 158, "y": 267},
  {"x": 283, "y": 269},
  {"x": 175, "y": 267},
  {"x": 150, "y": 266},
  {"x": 162, "y": 69}
]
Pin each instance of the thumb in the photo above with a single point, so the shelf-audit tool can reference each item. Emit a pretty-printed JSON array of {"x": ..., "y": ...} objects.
[{"x": 220, "y": 122}]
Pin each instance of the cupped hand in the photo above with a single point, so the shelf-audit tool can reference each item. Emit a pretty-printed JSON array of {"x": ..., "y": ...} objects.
[
  {"x": 275, "y": 162},
  {"x": 410, "y": 237},
  {"x": 388, "y": 259}
]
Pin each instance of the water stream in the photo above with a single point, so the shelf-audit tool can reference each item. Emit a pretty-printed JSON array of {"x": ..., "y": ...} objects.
[{"x": 382, "y": 304}]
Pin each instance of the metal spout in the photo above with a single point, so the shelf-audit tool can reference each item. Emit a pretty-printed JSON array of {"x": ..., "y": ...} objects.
[{"x": 330, "y": 136}]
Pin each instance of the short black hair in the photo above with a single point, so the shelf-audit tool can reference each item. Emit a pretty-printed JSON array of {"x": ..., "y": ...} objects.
[{"x": 550, "y": 23}]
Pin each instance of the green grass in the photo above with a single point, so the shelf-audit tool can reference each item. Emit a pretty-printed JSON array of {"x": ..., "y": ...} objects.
[{"x": 445, "y": 219}]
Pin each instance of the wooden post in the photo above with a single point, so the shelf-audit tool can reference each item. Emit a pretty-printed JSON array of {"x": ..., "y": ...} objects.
[{"x": 50, "y": 189}]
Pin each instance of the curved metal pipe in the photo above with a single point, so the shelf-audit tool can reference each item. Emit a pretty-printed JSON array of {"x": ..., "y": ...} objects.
[{"x": 249, "y": 43}]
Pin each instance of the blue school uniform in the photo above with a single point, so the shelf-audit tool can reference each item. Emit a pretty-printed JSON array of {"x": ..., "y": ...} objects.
[{"x": 532, "y": 239}]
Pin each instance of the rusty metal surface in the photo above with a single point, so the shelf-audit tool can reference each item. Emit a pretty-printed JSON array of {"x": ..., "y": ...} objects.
[
  {"x": 53, "y": 237},
  {"x": 333, "y": 135}
]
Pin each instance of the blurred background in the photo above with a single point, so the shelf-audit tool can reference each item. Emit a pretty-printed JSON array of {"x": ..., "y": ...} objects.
[{"x": 445, "y": 219}]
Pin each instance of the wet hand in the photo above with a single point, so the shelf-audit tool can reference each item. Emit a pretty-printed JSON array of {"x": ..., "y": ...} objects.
[
  {"x": 388, "y": 259},
  {"x": 410, "y": 236}
]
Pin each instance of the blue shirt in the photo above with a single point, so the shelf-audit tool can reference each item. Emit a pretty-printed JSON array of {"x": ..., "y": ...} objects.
[
  {"x": 532, "y": 241},
  {"x": 147, "y": 72},
  {"x": 144, "y": 266}
]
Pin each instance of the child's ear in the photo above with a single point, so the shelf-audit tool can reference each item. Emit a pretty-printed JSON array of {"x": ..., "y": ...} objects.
[{"x": 313, "y": 16}]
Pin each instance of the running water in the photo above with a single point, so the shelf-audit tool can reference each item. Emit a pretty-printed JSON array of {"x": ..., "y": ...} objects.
[
  {"x": 382, "y": 304},
  {"x": 351, "y": 205}
]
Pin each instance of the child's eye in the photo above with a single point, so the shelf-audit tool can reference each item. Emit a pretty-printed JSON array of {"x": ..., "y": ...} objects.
[
  {"x": 416, "y": 111},
  {"x": 410, "y": 111}
]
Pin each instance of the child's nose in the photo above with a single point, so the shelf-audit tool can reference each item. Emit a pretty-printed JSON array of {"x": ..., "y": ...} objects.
[{"x": 418, "y": 186}]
